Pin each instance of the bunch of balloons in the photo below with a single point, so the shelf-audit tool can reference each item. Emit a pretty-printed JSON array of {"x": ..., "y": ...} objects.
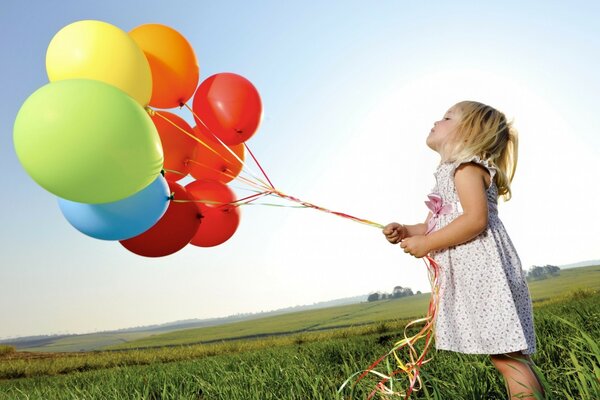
[{"x": 92, "y": 136}]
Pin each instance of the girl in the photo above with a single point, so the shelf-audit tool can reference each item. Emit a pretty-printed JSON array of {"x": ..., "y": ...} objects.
[{"x": 485, "y": 306}]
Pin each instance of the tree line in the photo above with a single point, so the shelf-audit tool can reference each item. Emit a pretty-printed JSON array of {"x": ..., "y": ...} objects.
[
  {"x": 537, "y": 273},
  {"x": 397, "y": 293}
]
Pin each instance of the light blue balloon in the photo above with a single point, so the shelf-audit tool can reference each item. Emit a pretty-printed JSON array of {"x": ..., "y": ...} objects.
[{"x": 121, "y": 219}]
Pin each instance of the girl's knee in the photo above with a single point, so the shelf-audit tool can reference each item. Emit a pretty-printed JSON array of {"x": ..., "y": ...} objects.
[
  {"x": 515, "y": 355},
  {"x": 509, "y": 360}
]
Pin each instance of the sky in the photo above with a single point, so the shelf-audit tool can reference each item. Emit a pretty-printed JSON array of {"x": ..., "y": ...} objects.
[{"x": 350, "y": 90}]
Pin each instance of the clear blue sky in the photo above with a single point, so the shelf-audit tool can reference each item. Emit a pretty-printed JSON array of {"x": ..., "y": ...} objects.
[{"x": 350, "y": 90}]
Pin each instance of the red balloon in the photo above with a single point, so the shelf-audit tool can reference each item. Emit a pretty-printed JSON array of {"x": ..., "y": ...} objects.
[
  {"x": 216, "y": 162},
  {"x": 219, "y": 221},
  {"x": 173, "y": 231},
  {"x": 178, "y": 147},
  {"x": 230, "y": 107}
]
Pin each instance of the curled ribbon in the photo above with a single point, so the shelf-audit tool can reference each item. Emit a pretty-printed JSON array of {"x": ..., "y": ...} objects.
[{"x": 437, "y": 207}]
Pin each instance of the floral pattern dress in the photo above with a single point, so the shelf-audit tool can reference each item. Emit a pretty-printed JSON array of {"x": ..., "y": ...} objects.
[{"x": 485, "y": 307}]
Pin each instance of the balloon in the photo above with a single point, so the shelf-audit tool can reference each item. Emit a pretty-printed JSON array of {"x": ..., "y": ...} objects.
[
  {"x": 222, "y": 166},
  {"x": 87, "y": 141},
  {"x": 219, "y": 222},
  {"x": 100, "y": 51},
  {"x": 230, "y": 107},
  {"x": 173, "y": 63},
  {"x": 178, "y": 147},
  {"x": 172, "y": 232},
  {"x": 121, "y": 219}
]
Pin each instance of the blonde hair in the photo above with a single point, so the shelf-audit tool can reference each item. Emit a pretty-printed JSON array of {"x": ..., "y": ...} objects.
[{"x": 484, "y": 131}]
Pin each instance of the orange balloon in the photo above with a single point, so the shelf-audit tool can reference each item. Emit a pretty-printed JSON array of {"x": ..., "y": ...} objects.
[
  {"x": 219, "y": 221},
  {"x": 173, "y": 64},
  {"x": 178, "y": 148},
  {"x": 216, "y": 163}
]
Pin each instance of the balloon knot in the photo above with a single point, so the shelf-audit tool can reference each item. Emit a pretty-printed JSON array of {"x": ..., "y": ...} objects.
[
  {"x": 172, "y": 196},
  {"x": 150, "y": 111}
]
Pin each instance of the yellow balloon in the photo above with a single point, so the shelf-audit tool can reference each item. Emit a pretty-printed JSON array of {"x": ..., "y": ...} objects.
[{"x": 100, "y": 51}]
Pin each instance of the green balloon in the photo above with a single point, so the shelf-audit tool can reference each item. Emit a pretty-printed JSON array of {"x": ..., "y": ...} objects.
[{"x": 87, "y": 141}]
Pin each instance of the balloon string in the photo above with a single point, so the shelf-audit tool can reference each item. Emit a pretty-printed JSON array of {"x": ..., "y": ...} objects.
[
  {"x": 248, "y": 199},
  {"x": 153, "y": 112},
  {"x": 228, "y": 174},
  {"x": 259, "y": 166},
  {"x": 339, "y": 214},
  {"x": 174, "y": 171},
  {"x": 275, "y": 191},
  {"x": 224, "y": 145},
  {"x": 235, "y": 203}
]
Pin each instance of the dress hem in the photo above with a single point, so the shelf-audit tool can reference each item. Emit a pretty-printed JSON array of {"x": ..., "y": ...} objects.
[{"x": 525, "y": 351}]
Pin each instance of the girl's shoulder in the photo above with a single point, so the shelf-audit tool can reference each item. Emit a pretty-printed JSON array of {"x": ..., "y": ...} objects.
[
  {"x": 446, "y": 170},
  {"x": 450, "y": 167},
  {"x": 486, "y": 164}
]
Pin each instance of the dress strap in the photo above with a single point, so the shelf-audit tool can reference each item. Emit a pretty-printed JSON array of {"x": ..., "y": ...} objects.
[{"x": 487, "y": 164}]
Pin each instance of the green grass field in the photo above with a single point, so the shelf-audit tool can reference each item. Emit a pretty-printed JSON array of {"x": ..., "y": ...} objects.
[
  {"x": 314, "y": 365},
  {"x": 307, "y": 355}
]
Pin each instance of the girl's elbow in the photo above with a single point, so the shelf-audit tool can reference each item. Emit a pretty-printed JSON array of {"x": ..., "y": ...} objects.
[
  {"x": 478, "y": 224},
  {"x": 481, "y": 224}
]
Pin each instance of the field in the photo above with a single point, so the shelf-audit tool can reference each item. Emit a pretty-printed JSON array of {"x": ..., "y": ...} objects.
[
  {"x": 312, "y": 364},
  {"x": 305, "y": 321},
  {"x": 353, "y": 315}
]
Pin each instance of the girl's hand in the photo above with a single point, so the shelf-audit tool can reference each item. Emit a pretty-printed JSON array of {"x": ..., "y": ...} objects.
[
  {"x": 416, "y": 246},
  {"x": 395, "y": 232}
]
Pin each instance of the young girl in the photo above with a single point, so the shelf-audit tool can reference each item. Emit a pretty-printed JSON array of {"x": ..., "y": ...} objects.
[{"x": 485, "y": 306}]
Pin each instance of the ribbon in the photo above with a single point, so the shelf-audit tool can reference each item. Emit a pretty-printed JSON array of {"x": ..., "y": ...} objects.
[{"x": 412, "y": 369}]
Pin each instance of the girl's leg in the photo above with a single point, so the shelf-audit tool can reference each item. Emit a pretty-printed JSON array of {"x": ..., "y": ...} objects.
[{"x": 521, "y": 380}]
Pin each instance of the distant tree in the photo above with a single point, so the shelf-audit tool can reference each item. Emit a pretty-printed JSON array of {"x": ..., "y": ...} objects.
[
  {"x": 418, "y": 292},
  {"x": 399, "y": 291},
  {"x": 373, "y": 297},
  {"x": 552, "y": 270},
  {"x": 536, "y": 272}
]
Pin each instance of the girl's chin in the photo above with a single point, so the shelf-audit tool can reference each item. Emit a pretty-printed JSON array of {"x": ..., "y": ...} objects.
[{"x": 431, "y": 144}]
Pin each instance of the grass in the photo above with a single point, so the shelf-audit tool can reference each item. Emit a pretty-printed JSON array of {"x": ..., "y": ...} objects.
[
  {"x": 312, "y": 355},
  {"x": 569, "y": 280},
  {"x": 313, "y": 320},
  {"x": 313, "y": 365},
  {"x": 5, "y": 350}
]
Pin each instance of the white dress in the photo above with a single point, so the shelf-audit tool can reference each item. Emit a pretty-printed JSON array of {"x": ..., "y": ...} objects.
[{"x": 485, "y": 307}]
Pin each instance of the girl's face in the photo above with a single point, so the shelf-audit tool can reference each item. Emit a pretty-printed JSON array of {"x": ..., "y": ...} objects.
[{"x": 443, "y": 130}]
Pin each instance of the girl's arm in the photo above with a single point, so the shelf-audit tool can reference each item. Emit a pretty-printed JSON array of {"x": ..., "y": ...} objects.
[
  {"x": 471, "y": 183},
  {"x": 395, "y": 232},
  {"x": 417, "y": 229}
]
